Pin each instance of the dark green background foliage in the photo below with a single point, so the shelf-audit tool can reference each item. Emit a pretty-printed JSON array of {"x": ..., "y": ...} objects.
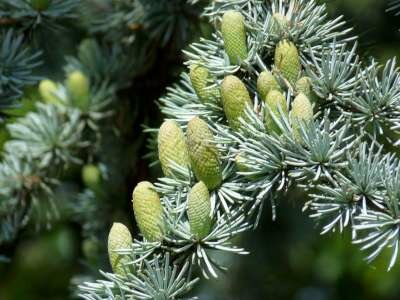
[{"x": 288, "y": 260}]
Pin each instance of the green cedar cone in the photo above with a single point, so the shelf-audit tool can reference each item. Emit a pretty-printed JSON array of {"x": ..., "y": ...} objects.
[
  {"x": 234, "y": 35},
  {"x": 40, "y": 5},
  {"x": 266, "y": 82},
  {"x": 172, "y": 147},
  {"x": 200, "y": 77},
  {"x": 203, "y": 153},
  {"x": 240, "y": 163},
  {"x": 48, "y": 90},
  {"x": 148, "y": 211},
  {"x": 303, "y": 85},
  {"x": 273, "y": 100},
  {"x": 91, "y": 176},
  {"x": 199, "y": 210},
  {"x": 279, "y": 24},
  {"x": 234, "y": 99},
  {"x": 287, "y": 61},
  {"x": 301, "y": 110},
  {"x": 118, "y": 238},
  {"x": 79, "y": 88}
]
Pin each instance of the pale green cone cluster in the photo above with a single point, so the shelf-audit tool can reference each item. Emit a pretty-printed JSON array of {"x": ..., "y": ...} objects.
[
  {"x": 48, "y": 92},
  {"x": 235, "y": 97},
  {"x": 200, "y": 79},
  {"x": 172, "y": 147},
  {"x": 119, "y": 237},
  {"x": 266, "y": 82},
  {"x": 279, "y": 24},
  {"x": 78, "y": 86},
  {"x": 91, "y": 176},
  {"x": 273, "y": 101},
  {"x": 204, "y": 156},
  {"x": 234, "y": 35},
  {"x": 301, "y": 110},
  {"x": 148, "y": 211},
  {"x": 199, "y": 210},
  {"x": 303, "y": 85},
  {"x": 287, "y": 61}
]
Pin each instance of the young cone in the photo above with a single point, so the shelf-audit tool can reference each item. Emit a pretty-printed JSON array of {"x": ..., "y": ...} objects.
[
  {"x": 266, "y": 82},
  {"x": 301, "y": 110},
  {"x": 148, "y": 211},
  {"x": 234, "y": 36},
  {"x": 48, "y": 90},
  {"x": 303, "y": 85},
  {"x": 203, "y": 153},
  {"x": 91, "y": 176},
  {"x": 287, "y": 61},
  {"x": 273, "y": 100},
  {"x": 234, "y": 99},
  {"x": 40, "y": 5},
  {"x": 118, "y": 238},
  {"x": 199, "y": 77},
  {"x": 78, "y": 86},
  {"x": 172, "y": 147},
  {"x": 279, "y": 24},
  {"x": 199, "y": 210}
]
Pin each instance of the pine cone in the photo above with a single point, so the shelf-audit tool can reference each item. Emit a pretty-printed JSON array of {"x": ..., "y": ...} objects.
[
  {"x": 234, "y": 35},
  {"x": 279, "y": 24},
  {"x": 91, "y": 176},
  {"x": 172, "y": 147},
  {"x": 40, "y": 5},
  {"x": 234, "y": 99},
  {"x": 48, "y": 90},
  {"x": 199, "y": 210},
  {"x": 301, "y": 110},
  {"x": 273, "y": 100},
  {"x": 287, "y": 61},
  {"x": 200, "y": 77},
  {"x": 148, "y": 211},
  {"x": 118, "y": 238},
  {"x": 203, "y": 153},
  {"x": 303, "y": 85},
  {"x": 78, "y": 87},
  {"x": 266, "y": 82}
]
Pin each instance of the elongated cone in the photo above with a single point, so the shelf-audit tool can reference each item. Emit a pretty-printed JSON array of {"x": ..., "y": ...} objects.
[
  {"x": 48, "y": 90},
  {"x": 200, "y": 79},
  {"x": 234, "y": 35},
  {"x": 172, "y": 147},
  {"x": 287, "y": 60},
  {"x": 40, "y": 5},
  {"x": 301, "y": 110},
  {"x": 273, "y": 100},
  {"x": 91, "y": 176},
  {"x": 240, "y": 163},
  {"x": 199, "y": 210},
  {"x": 78, "y": 86},
  {"x": 266, "y": 82},
  {"x": 118, "y": 238},
  {"x": 234, "y": 99},
  {"x": 148, "y": 211},
  {"x": 303, "y": 85},
  {"x": 203, "y": 153},
  {"x": 279, "y": 24}
]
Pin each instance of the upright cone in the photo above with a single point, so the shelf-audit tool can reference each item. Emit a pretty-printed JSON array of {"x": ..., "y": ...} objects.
[
  {"x": 40, "y": 5},
  {"x": 273, "y": 100},
  {"x": 301, "y": 111},
  {"x": 118, "y": 238},
  {"x": 203, "y": 153},
  {"x": 200, "y": 77},
  {"x": 172, "y": 147},
  {"x": 234, "y": 35},
  {"x": 148, "y": 211},
  {"x": 199, "y": 210},
  {"x": 266, "y": 82},
  {"x": 234, "y": 99},
  {"x": 303, "y": 85},
  {"x": 48, "y": 90},
  {"x": 78, "y": 86},
  {"x": 287, "y": 61},
  {"x": 91, "y": 176},
  {"x": 279, "y": 24}
]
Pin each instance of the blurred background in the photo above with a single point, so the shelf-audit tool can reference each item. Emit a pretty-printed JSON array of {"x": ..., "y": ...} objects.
[{"x": 288, "y": 260}]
